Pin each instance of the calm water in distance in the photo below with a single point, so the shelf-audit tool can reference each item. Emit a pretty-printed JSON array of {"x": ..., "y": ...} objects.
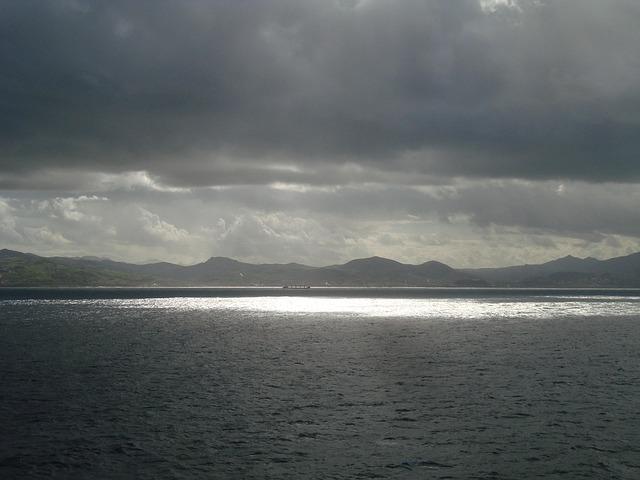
[{"x": 326, "y": 383}]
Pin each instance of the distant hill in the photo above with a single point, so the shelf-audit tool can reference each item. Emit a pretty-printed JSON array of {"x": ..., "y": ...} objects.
[
  {"x": 25, "y": 269},
  {"x": 28, "y": 270},
  {"x": 22, "y": 269},
  {"x": 568, "y": 271}
]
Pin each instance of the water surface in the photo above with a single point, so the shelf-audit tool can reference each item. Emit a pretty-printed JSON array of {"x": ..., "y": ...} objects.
[{"x": 399, "y": 383}]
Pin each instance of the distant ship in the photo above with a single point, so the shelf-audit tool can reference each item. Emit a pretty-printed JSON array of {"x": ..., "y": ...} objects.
[{"x": 296, "y": 286}]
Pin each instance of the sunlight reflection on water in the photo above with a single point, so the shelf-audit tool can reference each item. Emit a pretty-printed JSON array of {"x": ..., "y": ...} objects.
[
  {"x": 303, "y": 386},
  {"x": 462, "y": 308}
]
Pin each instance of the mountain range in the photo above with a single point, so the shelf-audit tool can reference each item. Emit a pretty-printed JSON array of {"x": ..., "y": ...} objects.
[{"x": 26, "y": 269}]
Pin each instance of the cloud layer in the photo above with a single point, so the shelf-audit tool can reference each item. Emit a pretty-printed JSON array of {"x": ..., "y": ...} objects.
[
  {"x": 473, "y": 223},
  {"x": 475, "y": 132},
  {"x": 253, "y": 92}
]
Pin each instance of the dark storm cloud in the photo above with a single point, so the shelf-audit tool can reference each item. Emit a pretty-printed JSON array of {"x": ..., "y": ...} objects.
[{"x": 246, "y": 91}]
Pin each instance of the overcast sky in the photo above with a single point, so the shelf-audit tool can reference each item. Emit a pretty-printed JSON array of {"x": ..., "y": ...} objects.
[{"x": 473, "y": 132}]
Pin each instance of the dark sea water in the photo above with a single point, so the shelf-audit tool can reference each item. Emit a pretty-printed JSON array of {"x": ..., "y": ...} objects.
[{"x": 328, "y": 383}]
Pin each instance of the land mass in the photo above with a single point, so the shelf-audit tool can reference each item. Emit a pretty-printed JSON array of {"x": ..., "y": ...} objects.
[{"x": 19, "y": 269}]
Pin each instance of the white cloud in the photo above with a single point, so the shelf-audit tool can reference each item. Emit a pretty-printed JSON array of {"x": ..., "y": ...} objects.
[
  {"x": 468, "y": 223},
  {"x": 44, "y": 235},
  {"x": 491, "y": 6},
  {"x": 8, "y": 231},
  {"x": 158, "y": 228},
  {"x": 70, "y": 208}
]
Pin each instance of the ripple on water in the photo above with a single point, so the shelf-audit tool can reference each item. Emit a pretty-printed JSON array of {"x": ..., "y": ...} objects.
[{"x": 250, "y": 389}]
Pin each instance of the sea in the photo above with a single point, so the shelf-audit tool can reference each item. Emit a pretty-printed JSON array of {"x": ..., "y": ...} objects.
[{"x": 325, "y": 383}]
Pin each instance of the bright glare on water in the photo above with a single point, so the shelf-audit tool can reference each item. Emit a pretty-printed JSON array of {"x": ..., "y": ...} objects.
[{"x": 458, "y": 308}]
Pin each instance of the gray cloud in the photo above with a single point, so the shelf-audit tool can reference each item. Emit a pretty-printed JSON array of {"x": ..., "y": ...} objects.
[
  {"x": 253, "y": 92},
  {"x": 471, "y": 132},
  {"x": 471, "y": 223}
]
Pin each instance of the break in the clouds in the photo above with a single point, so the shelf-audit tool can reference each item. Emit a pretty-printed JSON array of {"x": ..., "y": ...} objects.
[
  {"x": 317, "y": 130},
  {"x": 467, "y": 224}
]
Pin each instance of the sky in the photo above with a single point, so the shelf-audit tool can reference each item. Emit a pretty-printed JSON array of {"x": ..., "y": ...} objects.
[{"x": 473, "y": 132}]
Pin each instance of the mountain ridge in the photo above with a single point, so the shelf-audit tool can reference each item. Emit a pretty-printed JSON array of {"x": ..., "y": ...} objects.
[{"x": 27, "y": 269}]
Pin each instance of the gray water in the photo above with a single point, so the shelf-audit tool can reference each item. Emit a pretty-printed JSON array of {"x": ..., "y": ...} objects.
[{"x": 363, "y": 384}]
